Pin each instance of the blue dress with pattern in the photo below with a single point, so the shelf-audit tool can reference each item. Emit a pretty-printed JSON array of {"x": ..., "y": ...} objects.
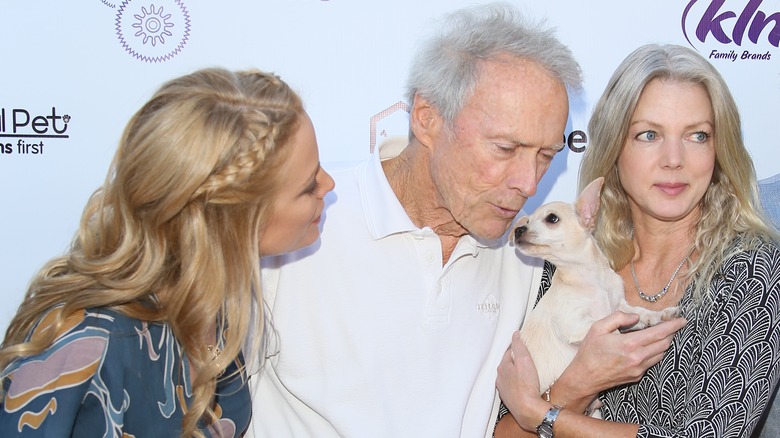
[{"x": 109, "y": 375}]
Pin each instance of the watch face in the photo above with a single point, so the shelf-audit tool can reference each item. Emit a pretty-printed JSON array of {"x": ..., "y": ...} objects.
[{"x": 544, "y": 431}]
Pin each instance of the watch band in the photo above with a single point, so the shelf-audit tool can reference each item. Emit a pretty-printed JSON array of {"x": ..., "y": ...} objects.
[{"x": 545, "y": 429}]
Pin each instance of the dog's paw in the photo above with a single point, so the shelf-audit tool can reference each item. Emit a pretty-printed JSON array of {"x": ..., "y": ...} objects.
[
  {"x": 670, "y": 313},
  {"x": 594, "y": 409},
  {"x": 649, "y": 318}
]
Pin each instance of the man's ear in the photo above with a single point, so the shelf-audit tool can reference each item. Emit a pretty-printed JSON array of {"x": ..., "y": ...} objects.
[{"x": 425, "y": 121}]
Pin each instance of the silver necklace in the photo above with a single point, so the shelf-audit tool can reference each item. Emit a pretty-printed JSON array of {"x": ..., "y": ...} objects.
[{"x": 656, "y": 297}]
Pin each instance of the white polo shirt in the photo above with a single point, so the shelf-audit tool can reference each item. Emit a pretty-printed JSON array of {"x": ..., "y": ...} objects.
[{"x": 374, "y": 337}]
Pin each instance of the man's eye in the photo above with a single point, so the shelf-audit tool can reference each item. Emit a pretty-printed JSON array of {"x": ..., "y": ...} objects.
[
  {"x": 548, "y": 155},
  {"x": 504, "y": 148}
]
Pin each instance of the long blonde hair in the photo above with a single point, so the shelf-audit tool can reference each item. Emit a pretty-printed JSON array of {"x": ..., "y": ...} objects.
[
  {"x": 730, "y": 207},
  {"x": 173, "y": 235}
]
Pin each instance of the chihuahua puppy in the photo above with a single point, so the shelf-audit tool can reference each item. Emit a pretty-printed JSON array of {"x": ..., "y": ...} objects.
[{"x": 584, "y": 288}]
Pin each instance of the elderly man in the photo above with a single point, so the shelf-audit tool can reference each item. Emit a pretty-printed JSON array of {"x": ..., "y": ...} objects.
[{"x": 394, "y": 323}]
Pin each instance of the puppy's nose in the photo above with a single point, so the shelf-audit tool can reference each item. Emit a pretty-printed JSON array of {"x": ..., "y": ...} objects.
[{"x": 519, "y": 231}]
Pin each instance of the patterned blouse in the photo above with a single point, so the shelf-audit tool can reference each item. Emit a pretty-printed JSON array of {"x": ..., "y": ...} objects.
[
  {"x": 109, "y": 375},
  {"x": 717, "y": 377}
]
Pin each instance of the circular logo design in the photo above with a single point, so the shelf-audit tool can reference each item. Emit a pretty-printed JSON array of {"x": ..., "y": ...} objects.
[{"x": 152, "y": 31}]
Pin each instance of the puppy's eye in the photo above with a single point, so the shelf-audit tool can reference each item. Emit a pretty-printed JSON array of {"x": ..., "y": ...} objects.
[{"x": 552, "y": 218}]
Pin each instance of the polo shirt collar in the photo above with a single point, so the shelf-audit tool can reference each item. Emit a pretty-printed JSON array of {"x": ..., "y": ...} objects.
[{"x": 383, "y": 210}]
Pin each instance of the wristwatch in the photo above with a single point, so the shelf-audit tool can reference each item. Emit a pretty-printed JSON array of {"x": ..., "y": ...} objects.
[{"x": 545, "y": 429}]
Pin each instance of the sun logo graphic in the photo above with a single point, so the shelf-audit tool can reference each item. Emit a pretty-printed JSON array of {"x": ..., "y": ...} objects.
[
  {"x": 151, "y": 31},
  {"x": 153, "y": 27}
]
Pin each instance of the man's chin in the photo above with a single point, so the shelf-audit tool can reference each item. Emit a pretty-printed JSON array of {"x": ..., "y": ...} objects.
[{"x": 491, "y": 234}]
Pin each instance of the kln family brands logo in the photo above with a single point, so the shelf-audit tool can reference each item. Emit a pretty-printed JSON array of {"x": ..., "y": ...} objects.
[
  {"x": 151, "y": 30},
  {"x": 732, "y": 30},
  {"x": 24, "y": 132}
]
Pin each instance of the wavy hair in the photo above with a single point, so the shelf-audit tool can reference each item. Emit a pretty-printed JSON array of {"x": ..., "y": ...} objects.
[
  {"x": 446, "y": 69},
  {"x": 173, "y": 234},
  {"x": 730, "y": 207}
]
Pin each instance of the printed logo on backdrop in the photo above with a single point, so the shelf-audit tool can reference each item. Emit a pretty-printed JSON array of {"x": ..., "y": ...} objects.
[
  {"x": 390, "y": 122},
  {"x": 393, "y": 121},
  {"x": 151, "y": 30},
  {"x": 745, "y": 31},
  {"x": 29, "y": 132}
]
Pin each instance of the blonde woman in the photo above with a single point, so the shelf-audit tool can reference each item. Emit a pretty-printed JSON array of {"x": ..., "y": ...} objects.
[
  {"x": 681, "y": 222},
  {"x": 142, "y": 328}
]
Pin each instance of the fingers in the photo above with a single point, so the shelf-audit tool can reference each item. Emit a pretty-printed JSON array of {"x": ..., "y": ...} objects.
[
  {"x": 668, "y": 328},
  {"x": 658, "y": 338},
  {"x": 519, "y": 352},
  {"x": 507, "y": 364},
  {"x": 518, "y": 346},
  {"x": 614, "y": 321},
  {"x": 517, "y": 355},
  {"x": 512, "y": 351},
  {"x": 507, "y": 360},
  {"x": 619, "y": 320},
  {"x": 645, "y": 348},
  {"x": 618, "y": 358},
  {"x": 517, "y": 378}
]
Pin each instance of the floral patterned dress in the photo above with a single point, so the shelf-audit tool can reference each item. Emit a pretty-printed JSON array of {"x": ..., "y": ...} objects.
[
  {"x": 717, "y": 377},
  {"x": 109, "y": 375}
]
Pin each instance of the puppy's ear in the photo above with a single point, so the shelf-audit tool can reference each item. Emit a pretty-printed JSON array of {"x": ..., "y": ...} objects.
[{"x": 587, "y": 204}]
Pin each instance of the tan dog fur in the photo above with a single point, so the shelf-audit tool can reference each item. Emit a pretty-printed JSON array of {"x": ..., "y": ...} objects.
[{"x": 584, "y": 288}]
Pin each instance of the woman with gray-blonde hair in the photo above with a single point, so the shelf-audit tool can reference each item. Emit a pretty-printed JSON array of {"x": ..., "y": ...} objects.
[{"x": 681, "y": 222}]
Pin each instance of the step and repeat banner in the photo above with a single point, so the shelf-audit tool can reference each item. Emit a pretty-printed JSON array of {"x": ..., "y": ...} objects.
[{"x": 72, "y": 74}]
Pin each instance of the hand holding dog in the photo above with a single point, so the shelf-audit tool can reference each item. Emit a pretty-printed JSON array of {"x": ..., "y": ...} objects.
[
  {"x": 518, "y": 379},
  {"x": 605, "y": 359},
  {"x": 608, "y": 358}
]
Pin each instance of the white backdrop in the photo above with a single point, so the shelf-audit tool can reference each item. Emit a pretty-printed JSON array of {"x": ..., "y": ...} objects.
[{"x": 74, "y": 72}]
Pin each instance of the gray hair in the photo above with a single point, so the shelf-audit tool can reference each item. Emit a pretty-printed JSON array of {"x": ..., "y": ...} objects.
[
  {"x": 729, "y": 208},
  {"x": 446, "y": 68}
]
